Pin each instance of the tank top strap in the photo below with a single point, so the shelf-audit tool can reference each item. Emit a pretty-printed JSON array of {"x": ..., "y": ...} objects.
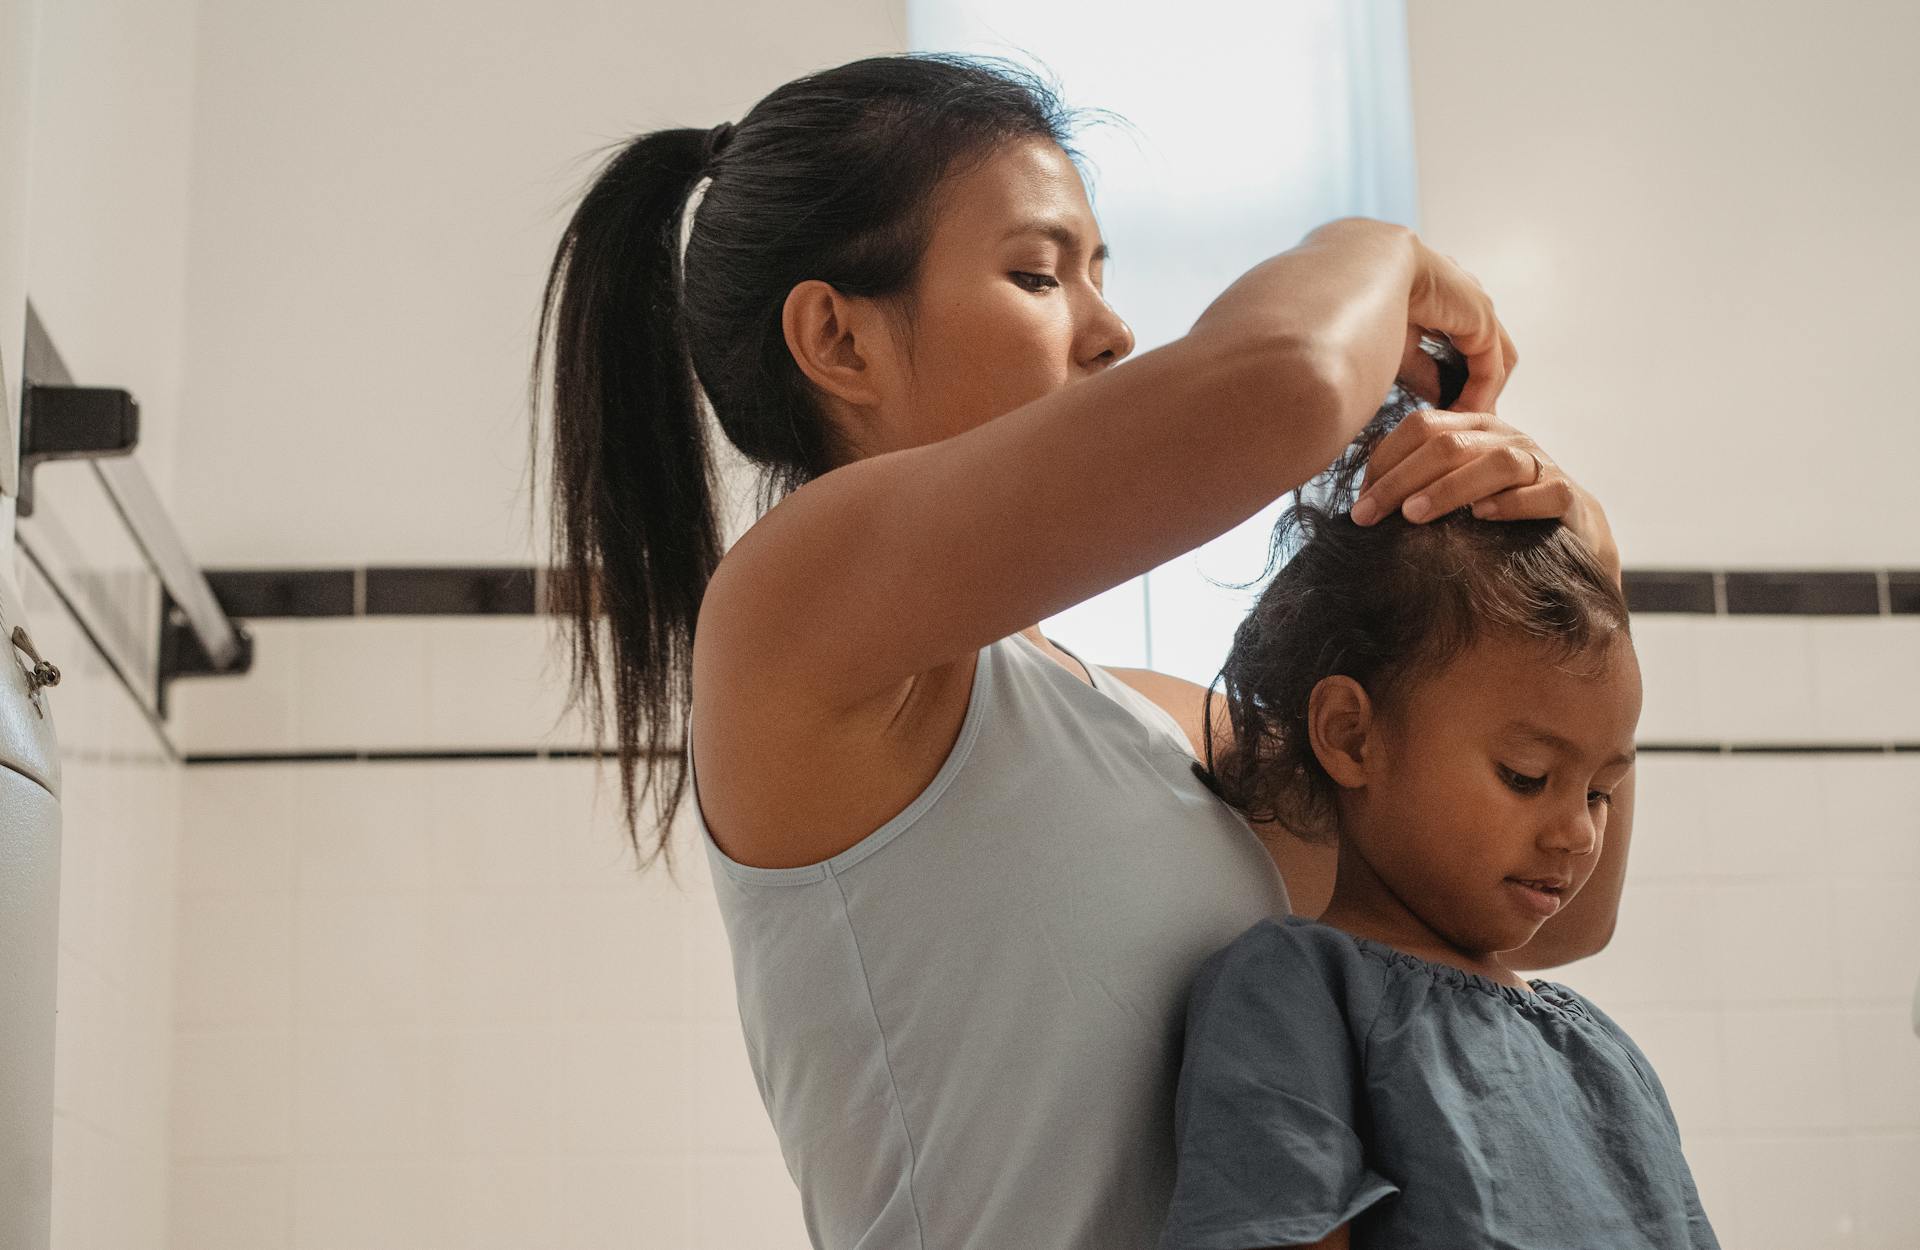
[{"x": 1143, "y": 709}]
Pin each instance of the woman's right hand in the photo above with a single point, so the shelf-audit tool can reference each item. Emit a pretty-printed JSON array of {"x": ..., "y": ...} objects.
[
  {"x": 1365, "y": 290},
  {"x": 1446, "y": 298}
]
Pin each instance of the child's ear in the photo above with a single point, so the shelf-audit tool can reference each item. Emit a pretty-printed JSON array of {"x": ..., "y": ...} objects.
[{"x": 1339, "y": 715}]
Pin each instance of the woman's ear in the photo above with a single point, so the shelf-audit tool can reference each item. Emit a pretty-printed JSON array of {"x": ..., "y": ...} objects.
[
  {"x": 834, "y": 339},
  {"x": 1339, "y": 718}
]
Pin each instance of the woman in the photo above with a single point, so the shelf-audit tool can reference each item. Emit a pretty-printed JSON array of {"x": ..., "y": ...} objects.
[{"x": 967, "y": 879}]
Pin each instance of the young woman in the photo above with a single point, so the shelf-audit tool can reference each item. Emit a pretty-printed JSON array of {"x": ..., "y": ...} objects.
[{"x": 967, "y": 878}]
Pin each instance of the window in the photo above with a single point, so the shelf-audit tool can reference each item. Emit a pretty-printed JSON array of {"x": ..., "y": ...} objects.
[{"x": 1248, "y": 125}]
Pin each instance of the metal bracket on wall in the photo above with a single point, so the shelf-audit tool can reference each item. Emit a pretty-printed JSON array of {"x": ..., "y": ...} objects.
[
  {"x": 72, "y": 423},
  {"x": 61, "y": 421},
  {"x": 181, "y": 654}
]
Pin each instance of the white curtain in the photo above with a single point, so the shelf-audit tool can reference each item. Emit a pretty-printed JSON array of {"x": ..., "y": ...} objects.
[{"x": 1249, "y": 122}]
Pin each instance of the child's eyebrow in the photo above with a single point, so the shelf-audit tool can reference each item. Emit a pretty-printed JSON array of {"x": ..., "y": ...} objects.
[{"x": 1539, "y": 733}]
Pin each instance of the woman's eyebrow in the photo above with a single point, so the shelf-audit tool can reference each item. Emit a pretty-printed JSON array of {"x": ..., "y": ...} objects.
[
  {"x": 1538, "y": 733},
  {"x": 1059, "y": 232}
]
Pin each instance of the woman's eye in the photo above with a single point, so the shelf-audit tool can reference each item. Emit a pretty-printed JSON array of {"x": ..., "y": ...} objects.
[
  {"x": 1524, "y": 784},
  {"x": 1599, "y": 796},
  {"x": 1041, "y": 281}
]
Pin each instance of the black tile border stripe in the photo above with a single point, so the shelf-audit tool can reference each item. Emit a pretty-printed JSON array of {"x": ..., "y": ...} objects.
[
  {"x": 450, "y": 591},
  {"x": 283, "y": 592},
  {"x": 520, "y": 590},
  {"x": 403, "y": 757},
  {"x": 571, "y": 753},
  {"x": 1825, "y": 593},
  {"x": 1663, "y": 590}
]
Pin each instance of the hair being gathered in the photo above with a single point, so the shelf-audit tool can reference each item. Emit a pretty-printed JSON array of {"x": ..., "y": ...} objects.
[
  {"x": 1386, "y": 604},
  {"x": 833, "y": 176}
]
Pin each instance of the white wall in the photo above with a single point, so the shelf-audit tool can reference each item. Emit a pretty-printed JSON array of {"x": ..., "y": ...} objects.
[
  {"x": 431, "y": 1005},
  {"x": 107, "y": 226},
  {"x": 377, "y": 190},
  {"x": 1697, "y": 222},
  {"x": 114, "y": 1010},
  {"x": 374, "y": 195},
  {"x": 19, "y": 27},
  {"x": 94, "y": 157},
  {"x": 414, "y": 914}
]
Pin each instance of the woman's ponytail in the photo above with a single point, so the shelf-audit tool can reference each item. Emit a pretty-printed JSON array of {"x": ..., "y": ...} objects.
[
  {"x": 833, "y": 177},
  {"x": 635, "y": 532}
]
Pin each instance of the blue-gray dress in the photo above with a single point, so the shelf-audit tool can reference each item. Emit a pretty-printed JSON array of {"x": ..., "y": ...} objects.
[{"x": 1328, "y": 1078}]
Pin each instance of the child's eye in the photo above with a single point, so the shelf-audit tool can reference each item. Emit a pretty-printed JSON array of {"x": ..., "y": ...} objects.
[
  {"x": 1042, "y": 281},
  {"x": 1524, "y": 784},
  {"x": 1533, "y": 785}
]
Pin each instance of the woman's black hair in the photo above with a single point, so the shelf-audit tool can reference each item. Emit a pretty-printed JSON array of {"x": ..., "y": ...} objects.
[
  {"x": 833, "y": 176},
  {"x": 1386, "y": 604}
]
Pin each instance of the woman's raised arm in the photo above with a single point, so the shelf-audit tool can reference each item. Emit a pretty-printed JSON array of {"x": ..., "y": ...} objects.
[{"x": 904, "y": 560}]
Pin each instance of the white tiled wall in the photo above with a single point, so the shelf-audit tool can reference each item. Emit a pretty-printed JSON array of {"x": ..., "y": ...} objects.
[
  {"x": 421, "y": 1004},
  {"x": 432, "y": 1004},
  {"x": 384, "y": 683},
  {"x": 114, "y": 1010},
  {"x": 1766, "y": 959},
  {"x": 435, "y": 984}
]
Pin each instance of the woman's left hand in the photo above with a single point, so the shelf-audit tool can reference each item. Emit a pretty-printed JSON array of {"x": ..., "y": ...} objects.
[{"x": 1437, "y": 460}]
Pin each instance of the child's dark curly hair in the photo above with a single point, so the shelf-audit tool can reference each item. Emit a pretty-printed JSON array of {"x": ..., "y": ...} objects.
[{"x": 1384, "y": 604}]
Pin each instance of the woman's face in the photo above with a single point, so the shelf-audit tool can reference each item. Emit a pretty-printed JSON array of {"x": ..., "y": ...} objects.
[
  {"x": 1495, "y": 769},
  {"x": 1007, "y": 312}
]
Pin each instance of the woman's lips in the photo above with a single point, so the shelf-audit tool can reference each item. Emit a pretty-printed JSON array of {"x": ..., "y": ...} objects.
[{"x": 1541, "y": 902}]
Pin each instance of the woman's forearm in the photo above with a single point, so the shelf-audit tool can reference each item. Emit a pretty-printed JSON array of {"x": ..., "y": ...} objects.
[{"x": 1340, "y": 299}]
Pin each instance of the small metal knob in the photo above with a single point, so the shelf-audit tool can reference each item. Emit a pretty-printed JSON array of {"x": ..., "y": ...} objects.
[{"x": 43, "y": 674}]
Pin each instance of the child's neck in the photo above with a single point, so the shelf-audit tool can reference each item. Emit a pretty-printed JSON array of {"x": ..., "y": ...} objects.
[{"x": 1363, "y": 905}]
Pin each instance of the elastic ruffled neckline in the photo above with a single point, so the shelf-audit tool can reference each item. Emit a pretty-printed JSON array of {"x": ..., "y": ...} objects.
[{"x": 1546, "y": 994}]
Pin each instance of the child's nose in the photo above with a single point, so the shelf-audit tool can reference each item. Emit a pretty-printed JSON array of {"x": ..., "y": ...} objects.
[{"x": 1573, "y": 830}]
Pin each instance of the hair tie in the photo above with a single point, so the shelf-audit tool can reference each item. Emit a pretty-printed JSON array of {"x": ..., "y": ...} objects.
[{"x": 716, "y": 142}]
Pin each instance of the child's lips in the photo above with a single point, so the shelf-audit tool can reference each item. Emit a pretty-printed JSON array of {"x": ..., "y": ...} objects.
[{"x": 1544, "y": 902}]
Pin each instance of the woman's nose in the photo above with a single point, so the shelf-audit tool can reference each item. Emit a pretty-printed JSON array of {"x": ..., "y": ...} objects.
[{"x": 1112, "y": 337}]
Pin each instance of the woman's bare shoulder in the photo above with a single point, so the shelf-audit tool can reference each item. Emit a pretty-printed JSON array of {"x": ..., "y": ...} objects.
[
  {"x": 1184, "y": 700},
  {"x": 784, "y": 782}
]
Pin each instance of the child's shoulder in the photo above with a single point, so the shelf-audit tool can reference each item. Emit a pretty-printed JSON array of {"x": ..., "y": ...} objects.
[
  {"x": 1293, "y": 938},
  {"x": 1288, "y": 961}
]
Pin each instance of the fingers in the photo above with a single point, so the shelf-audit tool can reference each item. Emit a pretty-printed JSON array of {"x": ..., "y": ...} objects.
[
  {"x": 1480, "y": 339},
  {"x": 1552, "y": 497},
  {"x": 1486, "y": 376},
  {"x": 1419, "y": 372},
  {"x": 1414, "y": 431},
  {"x": 1449, "y": 299},
  {"x": 1509, "y": 357},
  {"x": 1458, "y": 466}
]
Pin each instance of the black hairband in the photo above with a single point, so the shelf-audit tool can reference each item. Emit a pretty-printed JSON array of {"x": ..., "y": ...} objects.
[{"x": 717, "y": 140}]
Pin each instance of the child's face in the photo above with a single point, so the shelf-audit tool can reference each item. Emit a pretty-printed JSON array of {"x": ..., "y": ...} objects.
[{"x": 1460, "y": 798}]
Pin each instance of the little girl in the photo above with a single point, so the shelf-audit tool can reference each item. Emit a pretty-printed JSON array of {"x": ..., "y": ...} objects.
[{"x": 1453, "y": 702}]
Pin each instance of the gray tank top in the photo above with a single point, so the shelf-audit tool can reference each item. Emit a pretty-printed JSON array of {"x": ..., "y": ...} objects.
[{"x": 967, "y": 1026}]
